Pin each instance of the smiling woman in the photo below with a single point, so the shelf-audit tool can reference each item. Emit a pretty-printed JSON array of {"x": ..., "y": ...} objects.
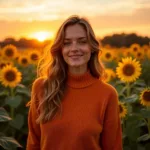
[
  {"x": 71, "y": 107},
  {"x": 42, "y": 35}
]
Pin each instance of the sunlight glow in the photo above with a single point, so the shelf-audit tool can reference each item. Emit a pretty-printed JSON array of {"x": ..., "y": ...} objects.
[{"x": 42, "y": 35}]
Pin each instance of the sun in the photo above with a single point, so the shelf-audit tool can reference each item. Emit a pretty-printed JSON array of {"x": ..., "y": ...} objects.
[{"x": 42, "y": 35}]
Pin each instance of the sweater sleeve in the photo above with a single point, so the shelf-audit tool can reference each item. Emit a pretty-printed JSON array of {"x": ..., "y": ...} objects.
[
  {"x": 34, "y": 134},
  {"x": 111, "y": 137}
]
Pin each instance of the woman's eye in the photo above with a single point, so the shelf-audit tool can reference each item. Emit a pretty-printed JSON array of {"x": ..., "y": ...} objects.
[
  {"x": 67, "y": 43},
  {"x": 82, "y": 42}
]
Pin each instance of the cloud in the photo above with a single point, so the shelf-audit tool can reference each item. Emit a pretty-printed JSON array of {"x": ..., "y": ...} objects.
[
  {"x": 46, "y": 10},
  {"x": 106, "y": 16}
]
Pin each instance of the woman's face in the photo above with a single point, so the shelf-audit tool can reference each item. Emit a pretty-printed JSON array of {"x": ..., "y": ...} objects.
[{"x": 76, "y": 50}]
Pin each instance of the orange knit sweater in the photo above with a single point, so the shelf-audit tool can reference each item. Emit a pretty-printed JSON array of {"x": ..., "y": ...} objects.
[{"x": 90, "y": 118}]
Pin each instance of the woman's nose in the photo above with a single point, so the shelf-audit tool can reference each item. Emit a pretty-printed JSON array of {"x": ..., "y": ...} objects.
[{"x": 74, "y": 46}]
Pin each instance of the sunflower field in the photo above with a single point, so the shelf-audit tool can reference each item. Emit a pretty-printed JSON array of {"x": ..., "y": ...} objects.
[{"x": 127, "y": 69}]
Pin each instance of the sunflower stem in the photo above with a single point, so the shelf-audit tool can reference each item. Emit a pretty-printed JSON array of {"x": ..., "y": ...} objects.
[
  {"x": 11, "y": 108},
  {"x": 128, "y": 89},
  {"x": 128, "y": 94}
]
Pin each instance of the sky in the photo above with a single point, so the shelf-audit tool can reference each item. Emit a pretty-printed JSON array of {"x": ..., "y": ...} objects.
[{"x": 24, "y": 18}]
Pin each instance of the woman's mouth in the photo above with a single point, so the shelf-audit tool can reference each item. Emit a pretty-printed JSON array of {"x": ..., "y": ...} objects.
[{"x": 75, "y": 56}]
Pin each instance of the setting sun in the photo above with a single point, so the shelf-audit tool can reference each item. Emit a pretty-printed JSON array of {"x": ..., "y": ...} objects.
[{"x": 42, "y": 35}]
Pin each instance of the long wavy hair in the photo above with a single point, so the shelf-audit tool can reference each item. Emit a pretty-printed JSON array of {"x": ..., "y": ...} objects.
[{"x": 53, "y": 66}]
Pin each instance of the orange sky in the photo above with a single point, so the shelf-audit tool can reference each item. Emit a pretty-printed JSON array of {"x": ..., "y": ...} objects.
[{"x": 23, "y": 19}]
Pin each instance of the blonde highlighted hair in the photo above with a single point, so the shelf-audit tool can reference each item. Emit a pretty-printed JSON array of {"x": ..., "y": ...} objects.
[{"x": 53, "y": 66}]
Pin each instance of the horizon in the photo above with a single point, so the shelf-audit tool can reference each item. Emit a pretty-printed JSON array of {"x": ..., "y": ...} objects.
[
  {"x": 49, "y": 39},
  {"x": 41, "y": 20}
]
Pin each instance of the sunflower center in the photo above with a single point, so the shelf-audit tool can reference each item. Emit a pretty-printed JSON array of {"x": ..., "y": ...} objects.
[
  {"x": 10, "y": 75},
  {"x": 146, "y": 96},
  {"x": 24, "y": 61},
  {"x": 108, "y": 55},
  {"x": 9, "y": 52},
  {"x": 135, "y": 49},
  {"x": 128, "y": 70},
  {"x": 34, "y": 57},
  {"x": 139, "y": 54}
]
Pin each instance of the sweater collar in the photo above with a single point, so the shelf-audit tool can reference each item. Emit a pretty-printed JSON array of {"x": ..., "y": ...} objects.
[{"x": 80, "y": 81}]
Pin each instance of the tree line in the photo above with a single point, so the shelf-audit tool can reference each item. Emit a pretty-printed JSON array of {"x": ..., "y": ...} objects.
[{"x": 115, "y": 40}]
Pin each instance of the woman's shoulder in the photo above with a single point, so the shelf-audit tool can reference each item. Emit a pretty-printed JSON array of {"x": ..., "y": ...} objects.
[
  {"x": 107, "y": 87},
  {"x": 38, "y": 83}
]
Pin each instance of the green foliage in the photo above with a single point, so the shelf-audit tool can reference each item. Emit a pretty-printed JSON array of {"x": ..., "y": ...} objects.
[
  {"x": 8, "y": 143},
  {"x": 4, "y": 115},
  {"x": 135, "y": 126},
  {"x": 13, "y": 111}
]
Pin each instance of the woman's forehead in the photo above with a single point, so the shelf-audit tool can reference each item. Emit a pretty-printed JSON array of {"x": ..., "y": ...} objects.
[{"x": 75, "y": 31}]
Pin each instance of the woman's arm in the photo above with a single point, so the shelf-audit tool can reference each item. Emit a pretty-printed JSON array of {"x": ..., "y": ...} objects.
[
  {"x": 111, "y": 138},
  {"x": 34, "y": 134}
]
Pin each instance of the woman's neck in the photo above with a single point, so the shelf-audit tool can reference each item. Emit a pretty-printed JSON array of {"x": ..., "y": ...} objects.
[{"x": 77, "y": 70}]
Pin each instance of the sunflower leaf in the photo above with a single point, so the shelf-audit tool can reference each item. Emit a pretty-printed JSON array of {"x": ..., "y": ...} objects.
[
  {"x": 145, "y": 113},
  {"x": 17, "y": 122},
  {"x": 23, "y": 90},
  {"x": 120, "y": 89},
  {"x": 13, "y": 101},
  {"x": 4, "y": 93},
  {"x": 144, "y": 137},
  {"x": 131, "y": 99},
  {"x": 141, "y": 83},
  {"x": 8, "y": 143},
  {"x": 4, "y": 115}
]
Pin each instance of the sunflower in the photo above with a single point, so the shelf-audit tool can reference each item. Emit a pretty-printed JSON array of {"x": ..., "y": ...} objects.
[
  {"x": 139, "y": 55},
  {"x": 122, "y": 110},
  {"x": 4, "y": 62},
  {"x": 128, "y": 70},
  {"x": 107, "y": 55},
  {"x": 109, "y": 74},
  {"x": 145, "y": 48},
  {"x": 34, "y": 56},
  {"x": 135, "y": 48},
  {"x": 145, "y": 97},
  {"x": 9, "y": 51},
  {"x": 23, "y": 60},
  {"x": 10, "y": 76}
]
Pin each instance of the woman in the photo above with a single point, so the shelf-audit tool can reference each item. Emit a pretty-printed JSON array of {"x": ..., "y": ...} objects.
[{"x": 71, "y": 107}]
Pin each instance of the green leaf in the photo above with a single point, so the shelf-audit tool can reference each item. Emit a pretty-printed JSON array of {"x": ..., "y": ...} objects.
[
  {"x": 132, "y": 130},
  {"x": 4, "y": 93},
  {"x": 21, "y": 89},
  {"x": 8, "y": 143},
  {"x": 4, "y": 115},
  {"x": 131, "y": 99},
  {"x": 141, "y": 83},
  {"x": 17, "y": 122},
  {"x": 145, "y": 113},
  {"x": 141, "y": 123},
  {"x": 144, "y": 137},
  {"x": 121, "y": 89},
  {"x": 13, "y": 101}
]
